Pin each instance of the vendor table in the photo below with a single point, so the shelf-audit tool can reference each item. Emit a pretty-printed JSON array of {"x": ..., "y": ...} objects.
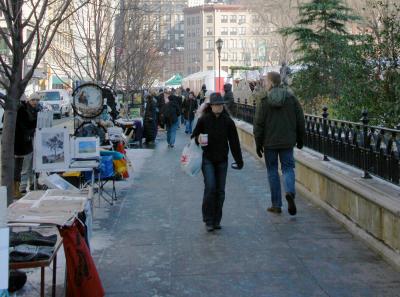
[{"x": 43, "y": 264}]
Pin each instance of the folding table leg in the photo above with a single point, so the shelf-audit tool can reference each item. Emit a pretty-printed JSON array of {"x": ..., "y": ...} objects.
[
  {"x": 54, "y": 276},
  {"x": 42, "y": 281}
]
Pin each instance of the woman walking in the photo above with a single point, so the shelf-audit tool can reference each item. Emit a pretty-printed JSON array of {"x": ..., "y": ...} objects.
[{"x": 216, "y": 133}]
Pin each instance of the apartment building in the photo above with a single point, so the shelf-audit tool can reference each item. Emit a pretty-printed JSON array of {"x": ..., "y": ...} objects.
[
  {"x": 246, "y": 42},
  {"x": 192, "y": 3}
]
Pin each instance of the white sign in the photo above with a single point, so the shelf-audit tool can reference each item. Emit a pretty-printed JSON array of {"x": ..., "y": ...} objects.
[
  {"x": 4, "y": 243},
  {"x": 44, "y": 119}
]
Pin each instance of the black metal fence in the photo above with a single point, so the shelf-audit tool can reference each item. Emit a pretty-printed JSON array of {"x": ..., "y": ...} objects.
[
  {"x": 244, "y": 112},
  {"x": 375, "y": 150}
]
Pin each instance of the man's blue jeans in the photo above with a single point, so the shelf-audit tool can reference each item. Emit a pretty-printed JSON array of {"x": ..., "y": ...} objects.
[
  {"x": 214, "y": 190},
  {"x": 171, "y": 132},
  {"x": 287, "y": 165},
  {"x": 189, "y": 124}
]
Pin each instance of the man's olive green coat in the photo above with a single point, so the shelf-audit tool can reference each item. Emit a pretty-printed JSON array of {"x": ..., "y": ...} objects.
[{"x": 279, "y": 121}]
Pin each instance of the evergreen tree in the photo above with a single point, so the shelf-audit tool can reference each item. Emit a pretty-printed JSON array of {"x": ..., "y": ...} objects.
[{"x": 322, "y": 44}]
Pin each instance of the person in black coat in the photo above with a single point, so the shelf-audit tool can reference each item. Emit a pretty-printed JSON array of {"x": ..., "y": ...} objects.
[
  {"x": 228, "y": 97},
  {"x": 171, "y": 112},
  {"x": 150, "y": 119},
  {"x": 221, "y": 136},
  {"x": 160, "y": 104},
  {"x": 23, "y": 144},
  {"x": 189, "y": 108}
]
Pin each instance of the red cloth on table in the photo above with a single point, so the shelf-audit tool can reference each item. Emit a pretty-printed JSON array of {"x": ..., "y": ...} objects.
[{"x": 82, "y": 277}]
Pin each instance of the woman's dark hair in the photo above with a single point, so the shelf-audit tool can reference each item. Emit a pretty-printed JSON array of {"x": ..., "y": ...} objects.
[{"x": 192, "y": 94}]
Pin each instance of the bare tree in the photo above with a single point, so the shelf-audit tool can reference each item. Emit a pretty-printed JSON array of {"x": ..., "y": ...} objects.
[
  {"x": 276, "y": 15},
  {"x": 92, "y": 41},
  {"x": 30, "y": 27},
  {"x": 113, "y": 44},
  {"x": 138, "y": 59}
]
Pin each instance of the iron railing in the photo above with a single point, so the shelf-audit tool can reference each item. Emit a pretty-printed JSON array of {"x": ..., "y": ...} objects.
[
  {"x": 375, "y": 150},
  {"x": 244, "y": 112}
]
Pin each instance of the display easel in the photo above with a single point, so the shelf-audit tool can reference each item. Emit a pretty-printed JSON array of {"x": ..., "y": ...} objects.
[{"x": 88, "y": 107}]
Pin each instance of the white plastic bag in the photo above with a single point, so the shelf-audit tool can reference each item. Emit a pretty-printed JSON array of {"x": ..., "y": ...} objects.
[{"x": 191, "y": 158}]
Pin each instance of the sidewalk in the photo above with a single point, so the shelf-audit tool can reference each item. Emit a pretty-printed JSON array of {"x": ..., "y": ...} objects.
[{"x": 153, "y": 241}]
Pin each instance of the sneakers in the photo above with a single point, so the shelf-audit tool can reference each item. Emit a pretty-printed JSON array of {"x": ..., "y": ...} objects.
[
  {"x": 274, "y": 209},
  {"x": 209, "y": 228},
  {"x": 291, "y": 204}
]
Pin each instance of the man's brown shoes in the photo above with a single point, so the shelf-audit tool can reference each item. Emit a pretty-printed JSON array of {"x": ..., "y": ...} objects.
[{"x": 274, "y": 209}]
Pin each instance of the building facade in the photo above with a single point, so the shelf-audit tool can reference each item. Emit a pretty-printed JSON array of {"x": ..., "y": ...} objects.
[{"x": 246, "y": 42}]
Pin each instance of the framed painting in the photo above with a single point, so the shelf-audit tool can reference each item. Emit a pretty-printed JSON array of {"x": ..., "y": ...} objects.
[
  {"x": 51, "y": 149},
  {"x": 86, "y": 147}
]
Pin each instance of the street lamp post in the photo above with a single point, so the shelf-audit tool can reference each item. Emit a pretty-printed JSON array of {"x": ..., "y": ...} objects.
[{"x": 219, "y": 44}]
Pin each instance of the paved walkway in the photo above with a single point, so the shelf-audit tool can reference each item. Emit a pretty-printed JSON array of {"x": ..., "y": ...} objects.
[{"x": 153, "y": 241}]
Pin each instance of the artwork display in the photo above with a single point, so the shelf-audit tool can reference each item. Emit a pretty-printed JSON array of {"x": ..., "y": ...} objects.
[
  {"x": 134, "y": 112},
  {"x": 55, "y": 181},
  {"x": 86, "y": 147},
  {"x": 88, "y": 100},
  {"x": 52, "y": 149},
  {"x": 45, "y": 119}
]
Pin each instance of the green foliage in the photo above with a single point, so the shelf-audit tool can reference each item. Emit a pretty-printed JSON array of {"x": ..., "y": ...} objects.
[
  {"x": 374, "y": 84},
  {"x": 349, "y": 73},
  {"x": 321, "y": 39}
]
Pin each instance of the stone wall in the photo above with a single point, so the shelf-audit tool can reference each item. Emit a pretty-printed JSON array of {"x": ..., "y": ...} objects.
[{"x": 370, "y": 209}]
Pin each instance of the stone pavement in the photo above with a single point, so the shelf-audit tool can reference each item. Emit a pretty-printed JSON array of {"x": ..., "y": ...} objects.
[{"x": 153, "y": 241}]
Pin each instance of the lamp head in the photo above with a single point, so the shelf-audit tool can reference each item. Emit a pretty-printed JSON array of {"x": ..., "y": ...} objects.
[{"x": 219, "y": 44}]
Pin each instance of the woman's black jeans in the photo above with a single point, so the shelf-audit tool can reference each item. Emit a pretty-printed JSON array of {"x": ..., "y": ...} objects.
[{"x": 214, "y": 190}]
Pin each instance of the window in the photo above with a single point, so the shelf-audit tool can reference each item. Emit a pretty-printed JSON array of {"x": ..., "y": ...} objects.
[
  {"x": 209, "y": 31},
  {"x": 242, "y": 43},
  {"x": 209, "y": 57},
  {"x": 232, "y": 43},
  {"x": 233, "y": 31},
  {"x": 210, "y": 68},
  {"x": 198, "y": 20},
  {"x": 209, "y": 44},
  {"x": 256, "y": 31},
  {"x": 224, "y": 19},
  {"x": 242, "y": 19},
  {"x": 234, "y": 57},
  {"x": 224, "y": 31},
  {"x": 255, "y": 19},
  {"x": 224, "y": 56},
  {"x": 209, "y": 19},
  {"x": 242, "y": 31},
  {"x": 233, "y": 19}
]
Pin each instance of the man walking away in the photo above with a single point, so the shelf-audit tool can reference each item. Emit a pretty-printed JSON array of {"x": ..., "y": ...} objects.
[
  {"x": 171, "y": 112},
  {"x": 221, "y": 135},
  {"x": 278, "y": 126},
  {"x": 23, "y": 146},
  {"x": 189, "y": 107}
]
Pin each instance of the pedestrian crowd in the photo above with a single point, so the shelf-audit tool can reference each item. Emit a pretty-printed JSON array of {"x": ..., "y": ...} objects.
[{"x": 278, "y": 128}]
